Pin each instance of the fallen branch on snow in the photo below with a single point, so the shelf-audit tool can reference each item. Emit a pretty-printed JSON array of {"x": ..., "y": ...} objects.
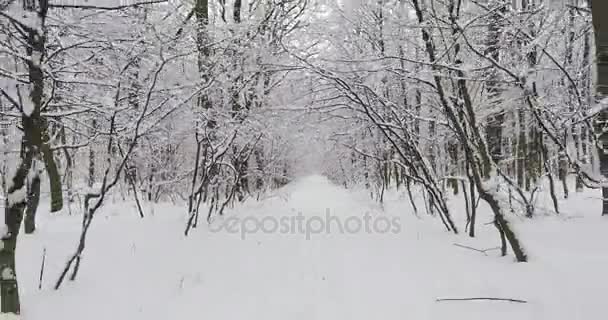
[
  {"x": 482, "y": 298},
  {"x": 475, "y": 249}
]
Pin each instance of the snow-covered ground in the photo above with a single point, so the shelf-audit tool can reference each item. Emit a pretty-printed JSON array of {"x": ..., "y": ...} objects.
[{"x": 146, "y": 269}]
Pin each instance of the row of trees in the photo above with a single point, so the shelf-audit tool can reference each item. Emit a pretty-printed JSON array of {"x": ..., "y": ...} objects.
[
  {"x": 491, "y": 98},
  {"x": 150, "y": 100},
  {"x": 184, "y": 102}
]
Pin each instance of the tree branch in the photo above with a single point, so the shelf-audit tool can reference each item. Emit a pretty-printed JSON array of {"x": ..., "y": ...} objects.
[
  {"x": 107, "y": 8},
  {"x": 482, "y": 298}
]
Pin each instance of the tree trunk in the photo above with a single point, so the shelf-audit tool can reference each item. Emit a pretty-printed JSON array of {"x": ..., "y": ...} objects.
[
  {"x": 496, "y": 121},
  {"x": 13, "y": 215},
  {"x": 237, "y": 11},
  {"x": 33, "y": 199},
  {"x": 91, "y": 171},
  {"x": 36, "y": 145},
  {"x": 504, "y": 227},
  {"x": 600, "y": 26}
]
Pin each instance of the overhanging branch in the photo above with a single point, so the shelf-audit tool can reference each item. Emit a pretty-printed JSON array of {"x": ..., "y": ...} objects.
[{"x": 107, "y": 8}]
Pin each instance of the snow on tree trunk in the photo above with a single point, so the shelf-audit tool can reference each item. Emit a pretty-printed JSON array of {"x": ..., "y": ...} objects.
[
  {"x": 36, "y": 146},
  {"x": 13, "y": 215}
]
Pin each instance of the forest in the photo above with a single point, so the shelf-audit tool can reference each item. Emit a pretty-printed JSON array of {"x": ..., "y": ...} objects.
[{"x": 484, "y": 119}]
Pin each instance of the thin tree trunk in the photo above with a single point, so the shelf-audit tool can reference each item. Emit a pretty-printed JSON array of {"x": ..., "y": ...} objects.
[
  {"x": 91, "y": 171},
  {"x": 548, "y": 172},
  {"x": 473, "y": 202}
]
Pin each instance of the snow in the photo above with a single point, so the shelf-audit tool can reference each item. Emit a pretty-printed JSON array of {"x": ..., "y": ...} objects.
[
  {"x": 3, "y": 232},
  {"x": 17, "y": 196},
  {"x": 146, "y": 269},
  {"x": 598, "y": 107},
  {"x": 7, "y": 274},
  {"x": 28, "y": 104},
  {"x": 27, "y": 18}
]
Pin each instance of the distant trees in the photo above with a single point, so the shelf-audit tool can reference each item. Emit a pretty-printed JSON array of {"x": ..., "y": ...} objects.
[
  {"x": 240, "y": 60},
  {"x": 150, "y": 101},
  {"x": 488, "y": 98},
  {"x": 195, "y": 104}
]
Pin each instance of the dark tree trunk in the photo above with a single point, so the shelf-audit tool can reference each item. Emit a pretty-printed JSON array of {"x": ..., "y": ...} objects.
[
  {"x": 237, "y": 11},
  {"x": 91, "y": 171},
  {"x": 13, "y": 215},
  {"x": 495, "y": 124},
  {"x": 33, "y": 199},
  {"x": 600, "y": 26}
]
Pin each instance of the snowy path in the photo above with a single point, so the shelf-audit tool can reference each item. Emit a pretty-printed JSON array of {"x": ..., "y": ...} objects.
[{"x": 156, "y": 273}]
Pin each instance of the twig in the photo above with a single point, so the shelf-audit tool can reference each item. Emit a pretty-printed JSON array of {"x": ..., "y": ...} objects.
[
  {"x": 42, "y": 269},
  {"x": 475, "y": 249},
  {"x": 579, "y": 9},
  {"x": 482, "y": 298}
]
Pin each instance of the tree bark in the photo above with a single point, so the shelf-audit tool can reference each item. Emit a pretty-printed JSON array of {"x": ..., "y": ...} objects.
[
  {"x": 33, "y": 199},
  {"x": 36, "y": 146},
  {"x": 237, "y": 11},
  {"x": 495, "y": 124},
  {"x": 13, "y": 215},
  {"x": 599, "y": 11}
]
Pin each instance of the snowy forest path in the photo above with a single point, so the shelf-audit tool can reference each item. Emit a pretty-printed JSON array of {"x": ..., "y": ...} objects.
[
  {"x": 346, "y": 272},
  {"x": 242, "y": 267}
]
